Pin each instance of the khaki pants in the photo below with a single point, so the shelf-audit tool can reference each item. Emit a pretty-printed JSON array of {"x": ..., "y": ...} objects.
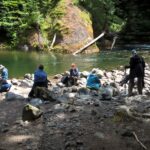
[{"x": 139, "y": 86}]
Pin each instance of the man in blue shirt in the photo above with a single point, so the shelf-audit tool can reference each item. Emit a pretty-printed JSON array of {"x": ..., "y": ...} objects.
[{"x": 40, "y": 79}]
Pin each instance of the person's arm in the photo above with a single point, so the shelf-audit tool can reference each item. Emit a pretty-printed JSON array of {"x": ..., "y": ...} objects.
[
  {"x": 77, "y": 72},
  {"x": 131, "y": 63},
  {"x": 143, "y": 62},
  {"x": 71, "y": 72}
]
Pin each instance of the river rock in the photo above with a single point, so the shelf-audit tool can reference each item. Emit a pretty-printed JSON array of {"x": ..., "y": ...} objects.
[
  {"x": 115, "y": 92},
  {"x": 15, "y": 82},
  {"x": 36, "y": 102},
  {"x": 74, "y": 89},
  {"x": 108, "y": 74},
  {"x": 60, "y": 84},
  {"x": 84, "y": 74},
  {"x": 82, "y": 82},
  {"x": 29, "y": 76},
  {"x": 30, "y": 113},
  {"x": 106, "y": 92},
  {"x": 44, "y": 93},
  {"x": 83, "y": 91},
  {"x": 99, "y": 135},
  {"x": 26, "y": 83},
  {"x": 13, "y": 96},
  {"x": 58, "y": 76},
  {"x": 99, "y": 72}
]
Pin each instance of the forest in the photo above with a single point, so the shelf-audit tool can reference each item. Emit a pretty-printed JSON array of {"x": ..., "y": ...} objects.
[
  {"x": 18, "y": 18},
  {"x": 74, "y": 75}
]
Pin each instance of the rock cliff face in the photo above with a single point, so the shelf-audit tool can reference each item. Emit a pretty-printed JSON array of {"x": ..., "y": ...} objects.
[
  {"x": 79, "y": 27},
  {"x": 74, "y": 31}
]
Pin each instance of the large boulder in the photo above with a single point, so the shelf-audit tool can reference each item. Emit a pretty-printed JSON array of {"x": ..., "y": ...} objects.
[
  {"x": 76, "y": 30},
  {"x": 44, "y": 93},
  {"x": 30, "y": 113}
]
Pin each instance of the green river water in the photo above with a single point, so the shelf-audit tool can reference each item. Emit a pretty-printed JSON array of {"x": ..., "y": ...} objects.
[{"x": 19, "y": 63}]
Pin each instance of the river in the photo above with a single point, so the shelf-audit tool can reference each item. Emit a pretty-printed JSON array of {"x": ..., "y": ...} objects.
[{"x": 19, "y": 63}]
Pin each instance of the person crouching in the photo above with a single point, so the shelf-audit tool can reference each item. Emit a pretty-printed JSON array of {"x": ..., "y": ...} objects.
[
  {"x": 71, "y": 79},
  {"x": 4, "y": 85},
  {"x": 40, "y": 80}
]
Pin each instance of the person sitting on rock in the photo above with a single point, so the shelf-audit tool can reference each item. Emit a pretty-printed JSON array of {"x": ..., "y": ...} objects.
[
  {"x": 40, "y": 80},
  {"x": 93, "y": 82},
  {"x": 4, "y": 85},
  {"x": 137, "y": 67},
  {"x": 71, "y": 79}
]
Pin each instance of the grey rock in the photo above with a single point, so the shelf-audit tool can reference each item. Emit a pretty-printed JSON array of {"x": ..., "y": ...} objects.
[
  {"x": 13, "y": 96},
  {"x": 83, "y": 91},
  {"x": 31, "y": 113},
  {"x": 28, "y": 76},
  {"x": 36, "y": 101},
  {"x": 15, "y": 82},
  {"x": 84, "y": 74},
  {"x": 60, "y": 84},
  {"x": 58, "y": 76},
  {"x": 99, "y": 135},
  {"x": 93, "y": 112},
  {"x": 26, "y": 83}
]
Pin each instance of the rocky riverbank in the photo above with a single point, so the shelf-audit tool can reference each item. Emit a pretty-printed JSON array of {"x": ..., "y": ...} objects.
[{"x": 75, "y": 117}]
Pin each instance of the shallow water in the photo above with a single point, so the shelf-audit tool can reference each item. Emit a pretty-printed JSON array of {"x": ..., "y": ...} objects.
[{"x": 20, "y": 63}]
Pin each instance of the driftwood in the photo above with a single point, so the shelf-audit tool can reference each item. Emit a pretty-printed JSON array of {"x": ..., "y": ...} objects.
[
  {"x": 139, "y": 140},
  {"x": 113, "y": 43},
  {"x": 53, "y": 41},
  {"x": 135, "y": 115},
  {"x": 89, "y": 44}
]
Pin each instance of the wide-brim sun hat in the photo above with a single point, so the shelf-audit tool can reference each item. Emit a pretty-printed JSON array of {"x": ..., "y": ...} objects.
[{"x": 1, "y": 67}]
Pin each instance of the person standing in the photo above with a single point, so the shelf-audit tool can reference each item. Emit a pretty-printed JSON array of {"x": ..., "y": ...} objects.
[
  {"x": 40, "y": 80},
  {"x": 137, "y": 67}
]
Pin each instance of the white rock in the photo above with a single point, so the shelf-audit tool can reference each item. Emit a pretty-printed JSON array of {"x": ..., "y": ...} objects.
[
  {"x": 60, "y": 84},
  {"x": 15, "y": 82},
  {"x": 26, "y": 83},
  {"x": 84, "y": 74}
]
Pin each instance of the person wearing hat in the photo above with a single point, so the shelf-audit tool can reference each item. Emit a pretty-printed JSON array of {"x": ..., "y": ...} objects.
[
  {"x": 4, "y": 85},
  {"x": 137, "y": 67}
]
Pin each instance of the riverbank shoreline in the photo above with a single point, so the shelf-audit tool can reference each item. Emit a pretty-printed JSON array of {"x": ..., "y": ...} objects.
[{"x": 77, "y": 118}]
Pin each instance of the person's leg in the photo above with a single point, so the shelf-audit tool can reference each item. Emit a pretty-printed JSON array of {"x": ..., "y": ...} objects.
[
  {"x": 130, "y": 88},
  {"x": 65, "y": 80},
  {"x": 140, "y": 85},
  {"x": 31, "y": 94}
]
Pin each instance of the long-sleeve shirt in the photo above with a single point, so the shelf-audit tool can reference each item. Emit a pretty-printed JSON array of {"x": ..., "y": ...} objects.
[
  {"x": 4, "y": 74},
  {"x": 74, "y": 72},
  {"x": 40, "y": 76}
]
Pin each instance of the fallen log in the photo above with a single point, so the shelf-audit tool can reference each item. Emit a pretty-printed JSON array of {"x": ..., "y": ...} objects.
[
  {"x": 89, "y": 44},
  {"x": 143, "y": 146},
  {"x": 53, "y": 41},
  {"x": 113, "y": 43}
]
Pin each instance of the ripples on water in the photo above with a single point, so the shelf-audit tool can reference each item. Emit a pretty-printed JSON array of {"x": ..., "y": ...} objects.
[{"x": 20, "y": 63}]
